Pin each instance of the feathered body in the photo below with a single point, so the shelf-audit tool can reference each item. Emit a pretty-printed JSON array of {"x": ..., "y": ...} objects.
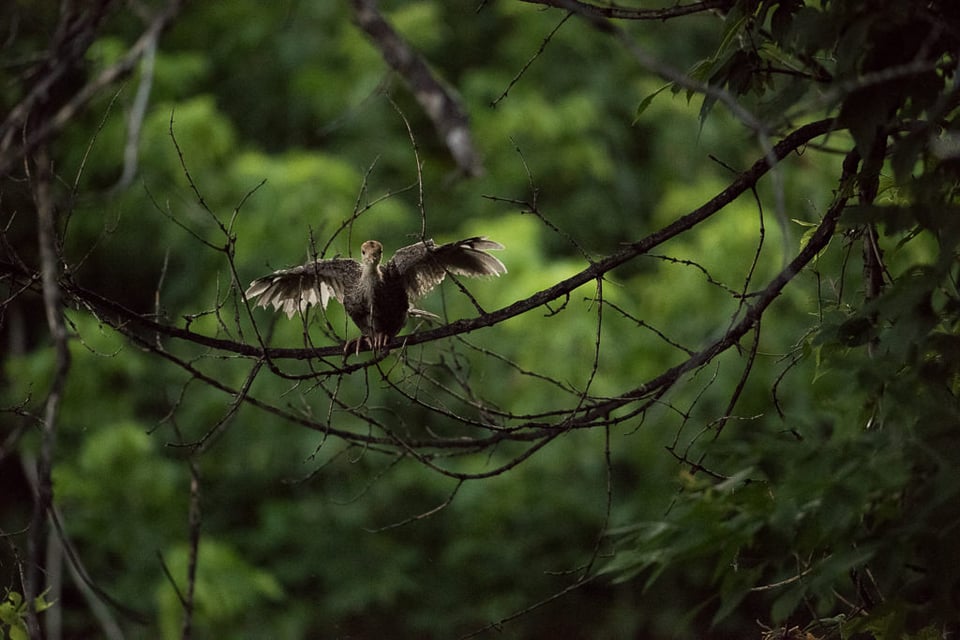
[{"x": 378, "y": 297}]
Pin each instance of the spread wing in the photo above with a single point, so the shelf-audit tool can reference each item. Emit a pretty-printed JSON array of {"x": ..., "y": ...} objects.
[
  {"x": 422, "y": 266},
  {"x": 316, "y": 282}
]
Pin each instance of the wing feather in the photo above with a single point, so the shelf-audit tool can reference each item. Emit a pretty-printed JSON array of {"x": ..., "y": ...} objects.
[
  {"x": 292, "y": 290},
  {"x": 422, "y": 266}
]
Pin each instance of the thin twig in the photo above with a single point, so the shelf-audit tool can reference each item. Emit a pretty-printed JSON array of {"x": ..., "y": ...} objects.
[{"x": 523, "y": 70}]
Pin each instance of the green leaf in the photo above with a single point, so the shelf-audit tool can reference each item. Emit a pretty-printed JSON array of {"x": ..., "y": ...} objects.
[
  {"x": 8, "y": 613},
  {"x": 731, "y": 34},
  {"x": 733, "y": 589},
  {"x": 786, "y": 604},
  {"x": 646, "y": 102},
  {"x": 18, "y": 632},
  {"x": 40, "y": 603},
  {"x": 782, "y": 17}
]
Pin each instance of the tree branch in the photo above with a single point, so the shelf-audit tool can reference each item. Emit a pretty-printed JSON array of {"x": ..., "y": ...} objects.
[
  {"x": 132, "y": 323},
  {"x": 449, "y": 118},
  {"x": 50, "y": 127},
  {"x": 628, "y": 13},
  {"x": 818, "y": 241},
  {"x": 53, "y": 308}
]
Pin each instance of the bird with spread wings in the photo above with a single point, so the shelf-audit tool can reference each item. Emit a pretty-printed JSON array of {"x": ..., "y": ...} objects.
[{"x": 378, "y": 297}]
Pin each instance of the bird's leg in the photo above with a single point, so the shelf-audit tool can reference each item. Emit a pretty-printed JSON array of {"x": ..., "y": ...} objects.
[{"x": 376, "y": 343}]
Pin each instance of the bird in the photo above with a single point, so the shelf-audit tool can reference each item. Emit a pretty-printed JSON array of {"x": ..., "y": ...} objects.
[{"x": 377, "y": 297}]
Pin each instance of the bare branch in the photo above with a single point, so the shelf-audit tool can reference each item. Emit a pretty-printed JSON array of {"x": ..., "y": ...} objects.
[
  {"x": 535, "y": 429},
  {"x": 42, "y": 180},
  {"x": 131, "y": 150},
  {"x": 194, "y": 518},
  {"x": 133, "y": 322},
  {"x": 51, "y": 126},
  {"x": 615, "y": 12},
  {"x": 537, "y": 54},
  {"x": 820, "y": 238},
  {"x": 422, "y": 516},
  {"x": 75, "y": 33}
]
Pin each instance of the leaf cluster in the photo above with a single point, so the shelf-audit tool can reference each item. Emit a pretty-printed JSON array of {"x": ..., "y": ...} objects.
[{"x": 13, "y": 614}]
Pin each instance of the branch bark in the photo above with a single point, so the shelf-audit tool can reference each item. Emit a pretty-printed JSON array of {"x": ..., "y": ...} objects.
[
  {"x": 614, "y": 12},
  {"x": 449, "y": 118},
  {"x": 53, "y": 308}
]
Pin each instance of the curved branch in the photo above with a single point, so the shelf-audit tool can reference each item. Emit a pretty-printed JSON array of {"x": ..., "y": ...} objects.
[
  {"x": 597, "y": 269},
  {"x": 818, "y": 241},
  {"x": 132, "y": 323},
  {"x": 629, "y": 13},
  {"x": 540, "y": 430}
]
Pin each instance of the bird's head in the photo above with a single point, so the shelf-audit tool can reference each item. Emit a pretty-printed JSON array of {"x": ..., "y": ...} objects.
[{"x": 370, "y": 252}]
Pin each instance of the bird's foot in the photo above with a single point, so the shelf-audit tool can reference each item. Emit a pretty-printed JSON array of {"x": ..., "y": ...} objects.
[
  {"x": 377, "y": 344},
  {"x": 352, "y": 347}
]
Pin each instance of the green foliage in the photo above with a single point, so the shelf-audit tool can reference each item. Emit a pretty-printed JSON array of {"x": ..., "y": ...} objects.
[
  {"x": 860, "y": 488},
  {"x": 13, "y": 614},
  {"x": 826, "y": 494},
  {"x": 229, "y": 593}
]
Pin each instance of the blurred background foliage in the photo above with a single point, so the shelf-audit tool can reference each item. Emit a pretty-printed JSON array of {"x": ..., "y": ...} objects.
[{"x": 838, "y": 505}]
